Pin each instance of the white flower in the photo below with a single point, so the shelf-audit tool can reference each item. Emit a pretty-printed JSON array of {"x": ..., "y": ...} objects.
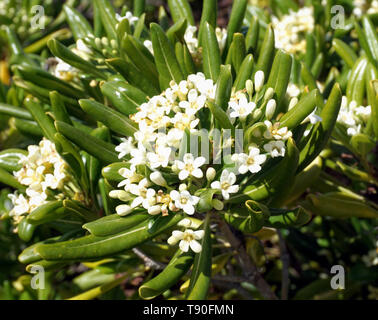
[
  {"x": 160, "y": 158},
  {"x": 188, "y": 239},
  {"x": 190, "y": 39},
  {"x": 125, "y": 147},
  {"x": 221, "y": 35},
  {"x": 312, "y": 118},
  {"x": 274, "y": 131},
  {"x": 129, "y": 16},
  {"x": 20, "y": 205},
  {"x": 138, "y": 155},
  {"x": 145, "y": 196},
  {"x": 275, "y": 148},
  {"x": 64, "y": 71},
  {"x": 130, "y": 175},
  {"x": 293, "y": 90},
  {"x": 251, "y": 162},
  {"x": 242, "y": 108},
  {"x": 184, "y": 200},
  {"x": 226, "y": 184},
  {"x": 290, "y": 31},
  {"x": 190, "y": 166}
]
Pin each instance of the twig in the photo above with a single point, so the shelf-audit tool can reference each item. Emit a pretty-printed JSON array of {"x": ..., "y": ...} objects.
[
  {"x": 249, "y": 269},
  {"x": 148, "y": 261},
  {"x": 285, "y": 267}
]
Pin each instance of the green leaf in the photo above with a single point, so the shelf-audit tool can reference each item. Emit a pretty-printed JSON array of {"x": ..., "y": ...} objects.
[
  {"x": 172, "y": 273},
  {"x": 47, "y": 212},
  {"x": 133, "y": 75},
  {"x": 266, "y": 55},
  {"x": 78, "y": 24},
  {"x": 9, "y": 159},
  {"x": 14, "y": 111},
  {"x": 252, "y": 37},
  {"x": 123, "y": 96},
  {"x": 356, "y": 83},
  {"x": 8, "y": 179},
  {"x": 114, "y": 120},
  {"x": 289, "y": 218},
  {"x": 181, "y": 9},
  {"x": 223, "y": 87},
  {"x": 141, "y": 59},
  {"x": 236, "y": 19},
  {"x": 249, "y": 218},
  {"x": 42, "y": 119},
  {"x": 102, "y": 150},
  {"x": 280, "y": 76},
  {"x": 107, "y": 16},
  {"x": 25, "y": 230},
  {"x": 339, "y": 206},
  {"x": 114, "y": 223},
  {"x": 345, "y": 52},
  {"x": 208, "y": 16},
  {"x": 300, "y": 111},
  {"x": 220, "y": 115},
  {"x": 210, "y": 53},
  {"x": 272, "y": 183},
  {"x": 322, "y": 130},
  {"x": 245, "y": 72},
  {"x": 166, "y": 62},
  {"x": 62, "y": 52},
  {"x": 92, "y": 247}
]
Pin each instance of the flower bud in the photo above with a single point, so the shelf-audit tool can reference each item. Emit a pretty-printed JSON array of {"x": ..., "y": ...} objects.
[
  {"x": 157, "y": 178},
  {"x": 185, "y": 223},
  {"x": 259, "y": 80},
  {"x": 182, "y": 187},
  {"x": 120, "y": 194},
  {"x": 154, "y": 210},
  {"x": 257, "y": 113},
  {"x": 249, "y": 87},
  {"x": 123, "y": 209},
  {"x": 210, "y": 174},
  {"x": 217, "y": 204},
  {"x": 270, "y": 109},
  {"x": 269, "y": 94}
]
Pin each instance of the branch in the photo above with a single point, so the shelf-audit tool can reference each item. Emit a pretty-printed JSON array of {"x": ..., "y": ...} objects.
[
  {"x": 249, "y": 269},
  {"x": 148, "y": 261},
  {"x": 285, "y": 267}
]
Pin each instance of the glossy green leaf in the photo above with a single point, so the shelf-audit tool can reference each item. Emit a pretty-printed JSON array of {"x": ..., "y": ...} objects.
[
  {"x": 114, "y": 223},
  {"x": 172, "y": 273},
  {"x": 102, "y": 150},
  {"x": 90, "y": 247},
  {"x": 210, "y": 53},
  {"x": 123, "y": 96},
  {"x": 165, "y": 59},
  {"x": 114, "y": 120}
]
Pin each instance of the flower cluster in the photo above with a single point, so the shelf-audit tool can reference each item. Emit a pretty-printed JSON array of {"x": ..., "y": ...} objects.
[
  {"x": 45, "y": 175},
  {"x": 363, "y": 6},
  {"x": 23, "y": 20},
  {"x": 158, "y": 179},
  {"x": 290, "y": 31},
  {"x": 353, "y": 117}
]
